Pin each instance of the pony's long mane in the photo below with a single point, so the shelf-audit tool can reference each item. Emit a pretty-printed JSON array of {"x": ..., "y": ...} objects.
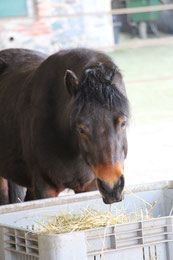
[{"x": 96, "y": 87}]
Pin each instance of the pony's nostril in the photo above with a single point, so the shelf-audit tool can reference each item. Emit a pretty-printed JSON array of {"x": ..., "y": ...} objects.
[
  {"x": 120, "y": 182},
  {"x": 103, "y": 186}
]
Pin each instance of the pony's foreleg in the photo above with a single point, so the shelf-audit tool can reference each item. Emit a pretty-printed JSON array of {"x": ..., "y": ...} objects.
[
  {"x": 4, "y": 198},
  {"x": 86, "y": 187},
  {"x": 29, "y": 195},
  {"x": 41, "y": 189}
]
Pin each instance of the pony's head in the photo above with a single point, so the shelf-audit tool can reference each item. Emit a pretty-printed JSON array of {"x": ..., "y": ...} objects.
[{"x": 99, "y": 116}]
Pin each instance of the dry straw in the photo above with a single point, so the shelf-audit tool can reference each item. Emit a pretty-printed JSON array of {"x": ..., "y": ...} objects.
[{"x": 89, "y": 218}]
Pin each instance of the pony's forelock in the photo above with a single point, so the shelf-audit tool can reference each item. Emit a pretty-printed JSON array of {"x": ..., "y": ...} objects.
[{"x": 96, "y": 87}]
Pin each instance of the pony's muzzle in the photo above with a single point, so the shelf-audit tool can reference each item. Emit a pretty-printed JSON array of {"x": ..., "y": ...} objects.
[{"x": 111, "y": 194}]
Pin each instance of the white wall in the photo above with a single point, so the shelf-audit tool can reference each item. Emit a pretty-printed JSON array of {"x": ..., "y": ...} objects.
[{"x": 43, "y": 29}]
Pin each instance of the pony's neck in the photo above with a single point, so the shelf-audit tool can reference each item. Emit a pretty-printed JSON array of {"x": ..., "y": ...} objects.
[{"x": 63, "y": 125}]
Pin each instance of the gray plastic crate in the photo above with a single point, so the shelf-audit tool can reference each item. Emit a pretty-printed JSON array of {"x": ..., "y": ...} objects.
[{"x": 142, "y": 240}]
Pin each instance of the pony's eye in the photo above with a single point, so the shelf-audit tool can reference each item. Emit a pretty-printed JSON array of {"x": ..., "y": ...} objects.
[
  {"x": 123, "y": 124},
  {"x": 81, "y": 130}
]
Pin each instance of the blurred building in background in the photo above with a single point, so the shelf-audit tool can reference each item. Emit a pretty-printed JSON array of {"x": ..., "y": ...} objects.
[{"x": 50, "y": 25}]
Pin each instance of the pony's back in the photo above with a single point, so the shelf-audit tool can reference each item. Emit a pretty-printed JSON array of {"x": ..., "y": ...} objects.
[
  {"x": 16, "y": 69},
  {"x": 13, "y": 59}
]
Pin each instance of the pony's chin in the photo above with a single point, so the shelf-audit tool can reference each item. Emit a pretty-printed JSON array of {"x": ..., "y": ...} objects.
[{"x": 110, "y": 200}]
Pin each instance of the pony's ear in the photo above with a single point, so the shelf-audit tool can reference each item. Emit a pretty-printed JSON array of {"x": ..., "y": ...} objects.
[
  {"x": 3, "y": 65},
  {"x": 71, "y": 82}
]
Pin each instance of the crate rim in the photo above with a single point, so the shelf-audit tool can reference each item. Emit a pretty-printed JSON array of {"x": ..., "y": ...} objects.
[{"x": 68, "y": 199}]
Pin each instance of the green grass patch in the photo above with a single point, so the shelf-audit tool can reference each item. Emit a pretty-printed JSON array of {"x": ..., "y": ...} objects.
[{"x": 150, "y": 100}]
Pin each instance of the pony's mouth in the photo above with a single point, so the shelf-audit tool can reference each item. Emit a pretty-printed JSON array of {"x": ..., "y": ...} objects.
[
  {"x": 111, "y": 195},
  {"x": 111, "y": 199}
]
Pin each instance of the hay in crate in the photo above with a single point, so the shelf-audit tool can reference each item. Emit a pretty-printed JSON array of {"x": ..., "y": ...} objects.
[{"x": 89, "y": 218}]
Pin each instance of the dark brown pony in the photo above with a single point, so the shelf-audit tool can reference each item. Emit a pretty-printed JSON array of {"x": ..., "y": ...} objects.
[{"x": 62, "y": 122}]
